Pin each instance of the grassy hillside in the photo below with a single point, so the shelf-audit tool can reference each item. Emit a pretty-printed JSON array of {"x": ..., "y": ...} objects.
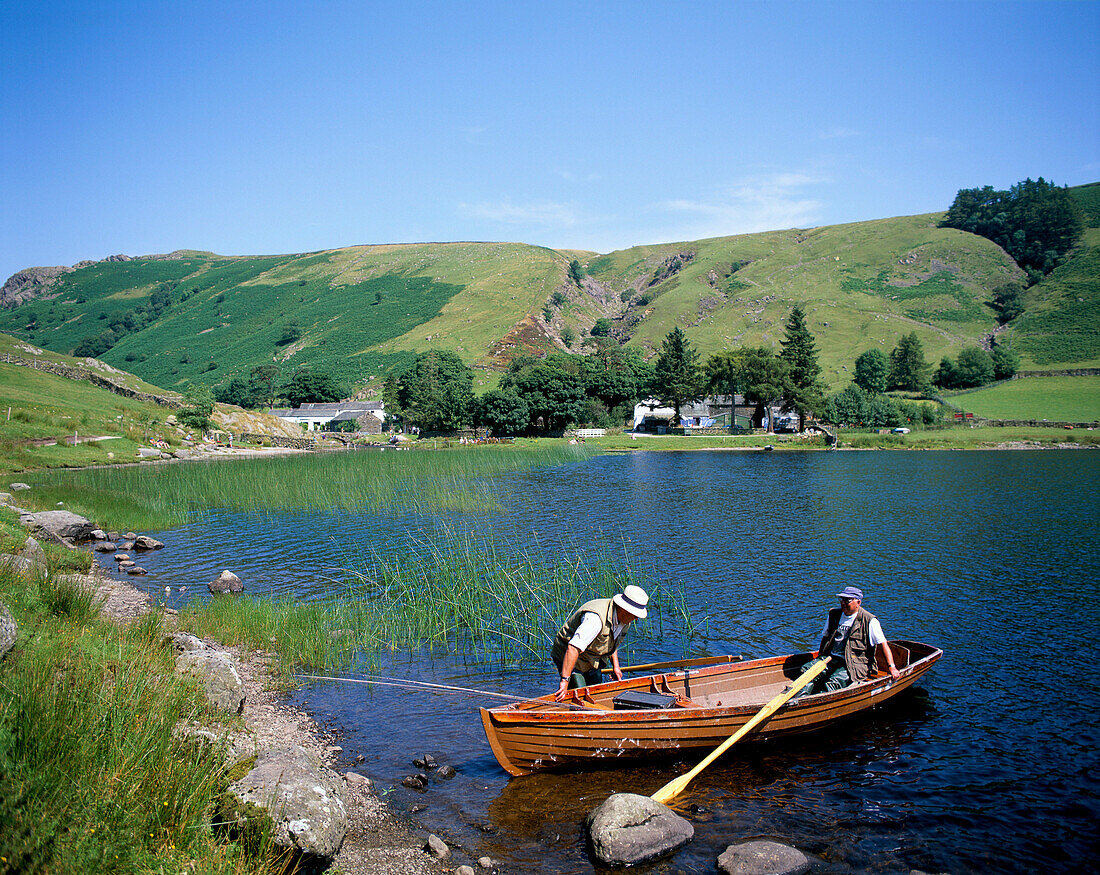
[
  {"x": 1065, "y": 399},
  {"x": 360, "y": 312},
  {"x": 862, "y": 285}
]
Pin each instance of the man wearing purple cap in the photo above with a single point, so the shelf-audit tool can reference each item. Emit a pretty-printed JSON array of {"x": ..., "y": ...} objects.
[{"x": 849, "y": 640}]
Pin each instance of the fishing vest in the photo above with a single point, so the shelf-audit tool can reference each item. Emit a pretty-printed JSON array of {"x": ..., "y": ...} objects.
[
  {"x": 602, "y": 645},
  {"x": 859, "y": 655}
]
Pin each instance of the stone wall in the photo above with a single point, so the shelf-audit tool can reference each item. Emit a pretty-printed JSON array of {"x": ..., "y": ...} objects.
[
  {"x": 277, "y": 440},
  {"x": 86, "y": 375}
]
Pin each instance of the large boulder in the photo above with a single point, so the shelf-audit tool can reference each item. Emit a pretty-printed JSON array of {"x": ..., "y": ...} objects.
[
  {"x": 303, "y": 799},
  {"x": 628, "y": 829},
  {"x": 8, "y": 630},
  {"x": 219, "y": 677},
  {"x": 58, "y": 525},
  {"x": 226, "y": 582},
  {"x": 144, "y": 542},
  {"x": 761, "y": 857}
]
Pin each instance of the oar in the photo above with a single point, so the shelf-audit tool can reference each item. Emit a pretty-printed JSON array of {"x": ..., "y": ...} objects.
[
  {"x": 677, "y": 785},
  {"x": 679, "y": 663}
]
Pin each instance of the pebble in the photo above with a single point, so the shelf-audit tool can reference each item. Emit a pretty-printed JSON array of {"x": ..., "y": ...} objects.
[
  {"x": 485, "y": 863},
  {"x": 437, "y": 847}
]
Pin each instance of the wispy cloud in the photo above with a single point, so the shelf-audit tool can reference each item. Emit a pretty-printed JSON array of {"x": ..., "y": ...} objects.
[
  {"x": 543, "y": 214},
  {"x": 758, "y": 203}
]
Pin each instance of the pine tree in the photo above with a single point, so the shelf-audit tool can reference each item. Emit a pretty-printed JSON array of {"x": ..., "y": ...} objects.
[
  {"x": 908, "y": 369},
  {"x": 806, "y": 394},
  {"x": 678, "y": 373}
]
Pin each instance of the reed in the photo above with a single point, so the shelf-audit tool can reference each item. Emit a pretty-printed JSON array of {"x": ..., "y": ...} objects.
[
  {"x": 92, "y": 778},
  {"x": 160, "y": 496},
  {"x": 459, "y": 593}
]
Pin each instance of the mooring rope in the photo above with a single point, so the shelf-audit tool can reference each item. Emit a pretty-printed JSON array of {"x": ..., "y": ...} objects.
[{"x": 406, "y": 683}]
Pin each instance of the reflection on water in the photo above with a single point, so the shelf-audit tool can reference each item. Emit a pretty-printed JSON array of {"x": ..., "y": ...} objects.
[{"x": 993, "y": 556}]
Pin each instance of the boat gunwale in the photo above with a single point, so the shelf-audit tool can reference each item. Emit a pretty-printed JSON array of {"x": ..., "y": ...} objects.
[{"x": 525, "y": 712}]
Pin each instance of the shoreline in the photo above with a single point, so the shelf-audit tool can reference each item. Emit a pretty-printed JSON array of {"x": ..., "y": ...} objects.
[{"x": 378, "y": 841}]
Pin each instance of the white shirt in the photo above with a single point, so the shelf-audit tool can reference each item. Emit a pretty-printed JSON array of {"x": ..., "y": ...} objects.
[
  {"x": 874, "y": 632},
  {"x": 590, "y": 627}
]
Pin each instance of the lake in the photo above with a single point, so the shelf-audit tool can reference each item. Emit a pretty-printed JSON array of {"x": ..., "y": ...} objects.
[{"x": 989, "y": 766}]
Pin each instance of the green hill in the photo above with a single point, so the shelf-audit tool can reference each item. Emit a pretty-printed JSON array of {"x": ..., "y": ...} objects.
[{"x": 362, "y": 311}]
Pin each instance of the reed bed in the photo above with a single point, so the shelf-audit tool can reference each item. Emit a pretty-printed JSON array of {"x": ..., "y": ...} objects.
[
  {"x": 160, "y": 496},
  {"x": 464, "y": 594},
  {"x": 92, "y": 778}
]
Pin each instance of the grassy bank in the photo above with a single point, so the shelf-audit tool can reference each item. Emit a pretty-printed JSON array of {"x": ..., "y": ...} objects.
[
  {"x": 161, "y": 496},
  {"x": 91, "y": 777}
]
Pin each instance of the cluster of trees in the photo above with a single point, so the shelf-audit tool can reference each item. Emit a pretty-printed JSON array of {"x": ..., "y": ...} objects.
[
  {"x": 905, "y": 369},
  {"x": 263, "y": 387},
  {"x": 1036, "y": 222},
  {"x": 535, "y": 394}
]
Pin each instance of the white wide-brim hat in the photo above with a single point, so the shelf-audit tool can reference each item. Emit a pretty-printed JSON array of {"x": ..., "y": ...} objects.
[{"x": 633, "y": 600}]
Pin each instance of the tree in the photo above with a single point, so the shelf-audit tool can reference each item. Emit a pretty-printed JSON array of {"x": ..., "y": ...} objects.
[
  {"x": 765, "y": 376},
  {"x": 872, "y": 371},
  {"x": 975, "y": 367},
  {"x": 552, "y": 388},
  {"x": 391, "y": 395},
  {"x": 237, "y": 391},
  {"x": 1008, "y": 302},
  {"x": 262, "y": 381},
  {"x": 609, "y": 376},
  {"x": 502, "y": 412},
  {"x": 602, "y": 327},
  {"x": 436, "y": 393},
  {"x": 678, "y": 376},
  {"x": 311, "y": 387},
  {"x": 200, "y": 407},
  {"x": 805, "y": 391},
  {"x": 908, "y": 369},
  {"x": 1035, "y": 222},
  {"x": 576, "y": 272},
  {"x": 568, "y": 336},
  {"x": 1005, "y": 363},
  {"x": 291, "y": 332}
]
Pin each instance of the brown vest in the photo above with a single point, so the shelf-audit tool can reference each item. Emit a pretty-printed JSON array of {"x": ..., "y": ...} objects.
[
  {"x": 859, "y": 655},
  {"x": 602, "y": 645}
]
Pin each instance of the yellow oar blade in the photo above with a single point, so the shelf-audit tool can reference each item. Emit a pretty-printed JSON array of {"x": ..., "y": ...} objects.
[{"x": 677, "y": 785}]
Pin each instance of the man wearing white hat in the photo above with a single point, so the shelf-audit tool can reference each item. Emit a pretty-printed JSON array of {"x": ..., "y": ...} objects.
[{"x": 591, "y": 637}]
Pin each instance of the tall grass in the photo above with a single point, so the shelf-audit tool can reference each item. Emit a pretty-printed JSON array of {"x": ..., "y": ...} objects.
[
  {"x": 451, "y": 593},
  {"x": 92, "y": 778},
  {"x": 162, "y": 496}
]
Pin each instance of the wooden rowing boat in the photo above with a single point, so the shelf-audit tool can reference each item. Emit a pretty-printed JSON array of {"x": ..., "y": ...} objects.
[{"x": 703, "y": 706}]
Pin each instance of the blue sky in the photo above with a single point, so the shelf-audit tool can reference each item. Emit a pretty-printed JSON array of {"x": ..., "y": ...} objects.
[{"x": 255, "y": 128}]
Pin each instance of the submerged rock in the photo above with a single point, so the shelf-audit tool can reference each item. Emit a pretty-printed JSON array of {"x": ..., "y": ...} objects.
[
  {"x": 762, "y": 857},
  {"x": 628, "y": 829}
]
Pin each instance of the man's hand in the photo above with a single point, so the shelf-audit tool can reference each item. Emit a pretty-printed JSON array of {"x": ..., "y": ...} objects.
[
  {"x": 563, "y": 688},
  {"x": 894, "y": 673}
]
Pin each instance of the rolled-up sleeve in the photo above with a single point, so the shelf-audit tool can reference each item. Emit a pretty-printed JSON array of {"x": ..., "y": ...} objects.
[{"x": 586, "y": 632}]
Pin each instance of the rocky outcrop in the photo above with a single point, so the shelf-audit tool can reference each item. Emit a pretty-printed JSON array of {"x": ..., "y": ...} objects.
[
  {"x": 303, "y": 799},
  {"x": 761, "y": 857},
  {"x": 60, "y": 526},
  {"x": 30, "y": 283},
  {"x": 628, "y": 829}
]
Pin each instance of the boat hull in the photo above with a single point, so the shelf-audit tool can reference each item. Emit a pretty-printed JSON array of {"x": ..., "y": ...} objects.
[{"x": 713, "y": 703}]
